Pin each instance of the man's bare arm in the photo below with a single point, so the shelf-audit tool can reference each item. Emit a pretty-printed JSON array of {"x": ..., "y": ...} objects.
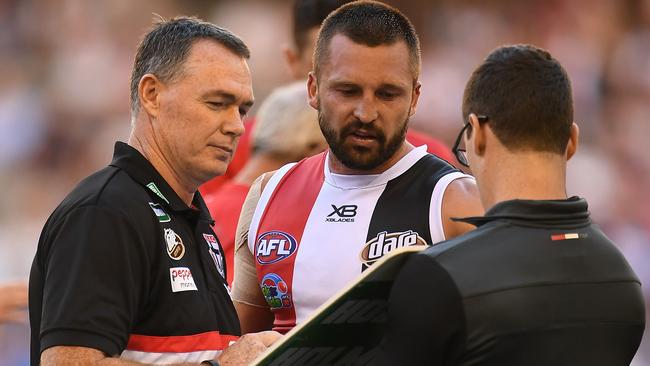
[
  {"x": 252, "y": 309},
  {"x": 241, "y": 353},
  {"x": 70, "y": 355},
  {"x": 461, "y": 199}
]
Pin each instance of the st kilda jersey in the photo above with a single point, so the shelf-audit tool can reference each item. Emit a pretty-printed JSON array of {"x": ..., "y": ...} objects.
[
  {"x": 124, "y": 266},
  {"x": 314, "y": 231}
]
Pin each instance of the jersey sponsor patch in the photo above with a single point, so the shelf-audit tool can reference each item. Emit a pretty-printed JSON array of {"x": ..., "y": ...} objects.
[
  {"x": 160, "y": 212},
  {"x": 181, "y": 279},
  {"x": 385, "y": 242},
  {"x": 274, "y": 246},
  {"x": 215, "y": 253},
  {"x": 154, "y": 188},
  {"x": 276, "y": 291},
  {"x": 345, "y": 213},
  {"x": 175, "y": 247}
]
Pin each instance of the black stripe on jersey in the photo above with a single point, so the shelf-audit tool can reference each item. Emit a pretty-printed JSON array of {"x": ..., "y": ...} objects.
[{"x": 404, "y": 206}]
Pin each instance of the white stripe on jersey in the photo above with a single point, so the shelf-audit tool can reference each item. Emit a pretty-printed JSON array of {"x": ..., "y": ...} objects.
[
  {"x": 435, "y": 215},
  {"x": 263, "y": 201},
  {"x": 317, "y": 276},
  {"x": 169, "y": 358}
]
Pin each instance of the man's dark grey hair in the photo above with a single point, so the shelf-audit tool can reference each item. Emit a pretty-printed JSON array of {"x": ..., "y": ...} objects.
[{"x": 165, "y": 48}]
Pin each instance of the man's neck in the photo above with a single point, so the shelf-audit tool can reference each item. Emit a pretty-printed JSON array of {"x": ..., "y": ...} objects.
[
  {"x": 528, "y": 176},
  {"x": 152, "y": 153},
  {"x": 337, "y": 167}
]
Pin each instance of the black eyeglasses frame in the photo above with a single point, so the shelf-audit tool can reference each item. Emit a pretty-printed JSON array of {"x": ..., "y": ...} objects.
[{"x": 461, "y": 154}]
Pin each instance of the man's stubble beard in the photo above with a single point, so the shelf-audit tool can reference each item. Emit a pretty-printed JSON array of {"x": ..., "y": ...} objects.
[{"x": 362, "y": 158}]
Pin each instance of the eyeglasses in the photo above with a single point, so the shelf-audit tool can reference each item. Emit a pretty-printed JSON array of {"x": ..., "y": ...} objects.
[{"x": 461, "y": 153}]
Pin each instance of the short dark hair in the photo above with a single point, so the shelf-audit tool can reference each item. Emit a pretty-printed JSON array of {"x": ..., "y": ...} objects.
[
  {"x": 526, "y": 95},
  {"x": 165, "y": 48},
  {"x": 370, "y": 23},
  {"x": 309, "y": 14}
]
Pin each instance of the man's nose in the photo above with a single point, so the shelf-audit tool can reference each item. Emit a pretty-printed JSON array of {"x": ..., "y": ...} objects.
[
  {"x": 233, "y": 123},
  {"x": 366, "y": 109}
]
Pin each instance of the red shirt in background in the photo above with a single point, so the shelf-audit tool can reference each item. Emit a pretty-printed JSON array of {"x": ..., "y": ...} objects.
[
  {"x": 434, "y": 146},
  {"x": 225, "y": 206}
]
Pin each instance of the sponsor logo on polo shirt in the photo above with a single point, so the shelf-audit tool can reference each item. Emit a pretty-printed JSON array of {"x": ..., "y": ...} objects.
[
  {"x": 160, "y": 212},
  {"x": 181, "y": 279},
  {"x": 215, "y": 253},
  {"x": 274, "y": 246},
  {"x": 175, "y": 247},
  {"x": 275, "y": 291},
  {"x": 385, "y": 242},
  {"x": 345, "y": 213},
  {"x": 154, "y": 188}
]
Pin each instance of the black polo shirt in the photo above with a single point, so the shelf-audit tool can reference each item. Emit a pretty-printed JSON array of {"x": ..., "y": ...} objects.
[
  {"x": 126, "y": 267},
  {"x": 535, "y": 284}
]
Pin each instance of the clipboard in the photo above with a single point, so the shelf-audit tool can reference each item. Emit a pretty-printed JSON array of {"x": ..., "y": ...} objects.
[{"x": 347, "y": 328}]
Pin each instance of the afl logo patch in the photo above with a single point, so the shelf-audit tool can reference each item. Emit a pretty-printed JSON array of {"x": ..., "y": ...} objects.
[
  {"x": 175, "y": 247},
  {"x": 385, "y": 242},
  {"x": 274, "y": 246},
  {"x": 275, "y": 291}
]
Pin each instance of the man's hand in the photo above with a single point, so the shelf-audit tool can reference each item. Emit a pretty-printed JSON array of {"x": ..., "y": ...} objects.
[
  {"x": 13, "y": 302},
  {"x": 247, "y": 348}
]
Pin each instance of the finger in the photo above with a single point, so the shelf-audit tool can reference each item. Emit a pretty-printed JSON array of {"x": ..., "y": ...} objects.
[{"x": 269, "y": 337}]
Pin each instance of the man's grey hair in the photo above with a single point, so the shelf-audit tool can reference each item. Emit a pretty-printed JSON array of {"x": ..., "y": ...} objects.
[{"x": 165, "y": 48}]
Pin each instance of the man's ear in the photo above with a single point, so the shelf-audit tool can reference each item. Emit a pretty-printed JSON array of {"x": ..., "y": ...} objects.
[
  {"x": 478, "y": 135},
  {"x": 293, "y": 62},
  {"x": 149, "y": 89},
  {"x": 414, "y": 98},
  {"x": 312, "y": 89},
  {"x": 574, "y": 138}
]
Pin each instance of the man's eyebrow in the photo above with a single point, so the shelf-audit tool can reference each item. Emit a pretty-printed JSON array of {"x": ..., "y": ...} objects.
[
  {"x": 396, "y": 87},
  {"x": 228, "y": 97},
  {"x": 343, "y": 83},
  {"x": 389, "y": 86}
]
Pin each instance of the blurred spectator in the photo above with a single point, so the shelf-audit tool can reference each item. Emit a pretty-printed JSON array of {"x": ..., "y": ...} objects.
[{"x": 13, "y": 302}]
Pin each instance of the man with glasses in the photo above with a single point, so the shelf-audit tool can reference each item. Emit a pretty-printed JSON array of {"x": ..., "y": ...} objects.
[{"x": 536, "y": 283}]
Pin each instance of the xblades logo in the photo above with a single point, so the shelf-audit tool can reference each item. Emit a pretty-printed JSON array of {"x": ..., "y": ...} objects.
[{"x": 345, "y": 213}]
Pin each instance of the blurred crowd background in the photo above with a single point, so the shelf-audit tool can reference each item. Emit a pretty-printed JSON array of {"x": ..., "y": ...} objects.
[{"x": 65, "y": 67}]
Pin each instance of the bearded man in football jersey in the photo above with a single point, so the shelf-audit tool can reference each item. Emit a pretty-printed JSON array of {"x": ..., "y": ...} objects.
[{"x": 313, "y": 226}]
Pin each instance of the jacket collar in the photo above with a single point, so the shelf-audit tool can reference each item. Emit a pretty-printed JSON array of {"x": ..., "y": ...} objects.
[{"x": 570, "y": 212}]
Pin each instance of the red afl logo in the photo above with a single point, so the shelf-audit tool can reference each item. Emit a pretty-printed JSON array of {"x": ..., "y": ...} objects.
[{"x": 274, "y": 246}]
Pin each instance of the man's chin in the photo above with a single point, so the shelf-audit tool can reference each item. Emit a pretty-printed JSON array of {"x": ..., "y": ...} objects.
[
  {"x": 212, "y": 172},
  {"x": 360, "y": 159}
]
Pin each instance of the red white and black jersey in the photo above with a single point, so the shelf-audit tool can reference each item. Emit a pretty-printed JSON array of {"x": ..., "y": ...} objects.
[
  {"x": 125, "y": 267},
  {"x": 313, "y": 231}
]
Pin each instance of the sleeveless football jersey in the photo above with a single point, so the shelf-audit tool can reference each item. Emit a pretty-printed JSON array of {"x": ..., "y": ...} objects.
[{"x": 314, "y": 231}]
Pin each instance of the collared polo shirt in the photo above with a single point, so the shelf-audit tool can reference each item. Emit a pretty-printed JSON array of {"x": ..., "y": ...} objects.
[{"x": 124, "y": 266}]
